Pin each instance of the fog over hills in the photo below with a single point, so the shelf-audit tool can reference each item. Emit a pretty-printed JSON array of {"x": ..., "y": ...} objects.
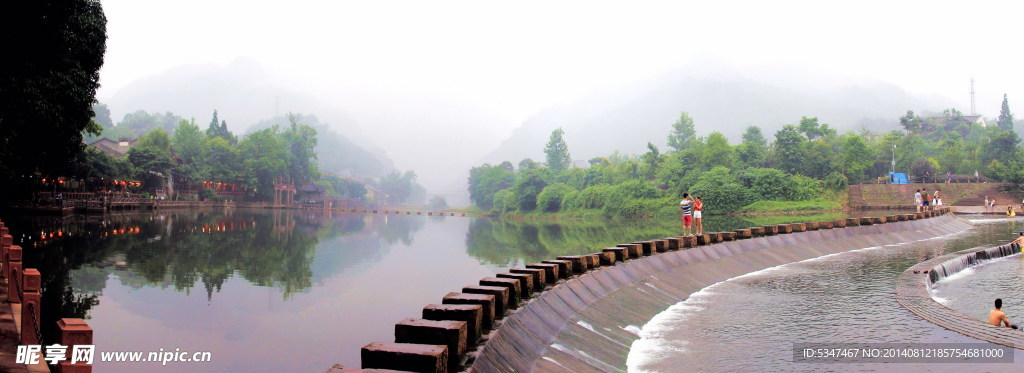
[
  {"x": 723, "y": 100},
  {"x": 248, "y": 97},
  {"x": 441, "y": 137}
]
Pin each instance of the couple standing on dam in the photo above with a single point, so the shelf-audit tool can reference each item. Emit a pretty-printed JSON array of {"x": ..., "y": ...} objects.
[{"x": 692, "y": 210}]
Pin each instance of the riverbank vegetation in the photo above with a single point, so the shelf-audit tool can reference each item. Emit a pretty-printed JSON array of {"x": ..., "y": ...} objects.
[
  {"x": 184, "y": 161},
  {"x": 805, "y": 167}
]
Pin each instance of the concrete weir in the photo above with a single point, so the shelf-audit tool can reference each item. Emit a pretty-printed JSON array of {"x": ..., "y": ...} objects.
[
  {"x": 588, "y": 322},
  {"x": 913, "y": 292}
]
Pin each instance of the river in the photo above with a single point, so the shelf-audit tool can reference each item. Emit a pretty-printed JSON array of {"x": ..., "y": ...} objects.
[{"x": 273, "y": 291}]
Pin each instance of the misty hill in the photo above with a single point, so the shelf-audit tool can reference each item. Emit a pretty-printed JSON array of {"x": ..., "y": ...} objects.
[
  {"x": 244, "y": 94},
  {"x": 337, "y": 154},
  {"x": 626, "y": 118}
]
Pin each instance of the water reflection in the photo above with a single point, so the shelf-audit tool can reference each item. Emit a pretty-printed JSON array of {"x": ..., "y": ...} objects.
[
  {"x": 270, "y": 291},
  {"x": 193, "y": 251},
  {"x": 505, "y": 241}
]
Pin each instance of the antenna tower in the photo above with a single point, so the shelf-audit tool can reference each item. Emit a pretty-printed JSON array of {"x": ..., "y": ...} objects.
[{"x": 972, "y": 97}]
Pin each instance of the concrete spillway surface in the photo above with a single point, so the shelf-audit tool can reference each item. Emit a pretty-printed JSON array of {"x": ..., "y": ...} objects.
[
  {"x": 972, "y": 290},
  {"x": 749, "y": 323}
]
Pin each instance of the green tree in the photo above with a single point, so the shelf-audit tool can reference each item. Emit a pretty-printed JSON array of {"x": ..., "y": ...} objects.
[
  {"x": 156, "y": 139},
  {"x": 487, "y": 180},
  {"x": 855, "y": 158},
  {"x": 788, "y": 154},
  {"x": 302, "y": 161},
  {"x": 225, "y": 165},
  {"x": 526, "y": 189},
  {"x": 721, "y": 192},
  {"x": 813, "y": 130},
  {"x": 820, "y": 159},
  {"x": 53, "y": 51},
  {"x": 220, "y": 129},
  {"x": 652, "y": 159},
  {"x": 152, "y": 165},
  {"x": 265, "y": 157},
  {"x": 557, "y": 152},
  {"x": 683, "y": 132},
  {"x": 754, "y": 148},
  {"x": 1003, "y": 147},
  {"x": 551, "y": 197},
  {"x": 1005, "y": 116},
  {"x": 191, "y": 150},
  {"x": 716, "y": 152},
  {"x": 911, "y": 122}
]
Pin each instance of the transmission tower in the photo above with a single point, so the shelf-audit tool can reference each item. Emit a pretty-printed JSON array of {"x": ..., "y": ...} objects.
[{"x": 972, "y": 97}]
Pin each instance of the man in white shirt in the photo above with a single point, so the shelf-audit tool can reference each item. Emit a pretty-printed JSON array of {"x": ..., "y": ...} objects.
[{"x": 917, "y": 200}]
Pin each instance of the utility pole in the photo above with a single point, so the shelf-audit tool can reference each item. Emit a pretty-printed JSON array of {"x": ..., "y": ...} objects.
[{"x": 894, "y": 158}]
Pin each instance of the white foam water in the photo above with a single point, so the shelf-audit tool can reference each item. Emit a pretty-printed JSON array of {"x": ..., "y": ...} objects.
[{"x": 652, "y": 346}]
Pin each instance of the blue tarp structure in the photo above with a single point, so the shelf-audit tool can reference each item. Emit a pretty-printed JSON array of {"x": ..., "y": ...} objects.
[{"x": 898, "y": 178}]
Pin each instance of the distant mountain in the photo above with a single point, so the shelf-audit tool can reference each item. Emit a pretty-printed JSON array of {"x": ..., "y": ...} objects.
[
  {"x": 626, "y": 118},
  {"x": 244, "y": 95}
]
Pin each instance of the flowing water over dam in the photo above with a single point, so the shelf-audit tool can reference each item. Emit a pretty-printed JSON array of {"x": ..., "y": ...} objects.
[
  {"x": 749, "y": 323},
  {"x": 972, "y": 291}
]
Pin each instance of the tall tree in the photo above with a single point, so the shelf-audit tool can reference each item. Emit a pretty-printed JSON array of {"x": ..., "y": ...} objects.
[
  {"x": 752, "y": 151},
  {"x": 557, "y": 152},
  {"x": 683, "y": 133},
  {"x": 651, "y": 159},
  {"x": 716, "y": 152},
  {"x": 788, "y": 154},
  {"x": 191, "y": 150},
  {"x": 220, "y": 129},
  {"x": 1005, "y": 116},
  {"x": 813, "y": 130},
  {"x": 301, "y": 139},
  {"x": 53, "y": 51}
]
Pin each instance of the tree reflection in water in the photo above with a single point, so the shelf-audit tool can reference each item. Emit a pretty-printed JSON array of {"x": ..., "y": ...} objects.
[{"x": 182, "y": 249}]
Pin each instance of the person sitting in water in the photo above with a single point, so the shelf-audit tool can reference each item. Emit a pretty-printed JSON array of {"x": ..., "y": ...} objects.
[
  {"x": 1009, "y": 211},
  {"x": 997, "y": 317},
  {"x": 1019, "y": 240}
]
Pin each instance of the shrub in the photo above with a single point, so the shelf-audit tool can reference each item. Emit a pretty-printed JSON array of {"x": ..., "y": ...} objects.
[
  {"x": 550, "y": 199},
  {"x": 835, "y": 181},
  {"x": 803, "y": 188},
  {"x": 720, "y": 192},
  {"x": 592, "y": 197}
]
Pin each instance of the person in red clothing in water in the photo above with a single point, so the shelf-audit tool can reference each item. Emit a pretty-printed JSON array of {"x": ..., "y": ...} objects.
[{"x": 698, "y": 220}]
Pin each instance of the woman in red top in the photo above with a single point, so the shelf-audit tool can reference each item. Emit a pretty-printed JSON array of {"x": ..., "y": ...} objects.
[{"x": 698, "y": 220}]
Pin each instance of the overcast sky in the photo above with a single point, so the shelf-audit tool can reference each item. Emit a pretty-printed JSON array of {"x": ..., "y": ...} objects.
[
  {"x": 516, "y": 57},
  {"x": 510, "y": 59}
]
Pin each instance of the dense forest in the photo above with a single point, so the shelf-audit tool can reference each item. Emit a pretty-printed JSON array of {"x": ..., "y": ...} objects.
[{"x": 804, "y": 167}]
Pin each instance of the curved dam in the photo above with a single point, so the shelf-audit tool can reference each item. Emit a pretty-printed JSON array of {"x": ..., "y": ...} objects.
[{"x": 589, "y": 322}]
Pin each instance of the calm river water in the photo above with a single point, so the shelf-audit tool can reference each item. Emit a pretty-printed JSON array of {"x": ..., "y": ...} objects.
[{"x": 275, "y": 291}]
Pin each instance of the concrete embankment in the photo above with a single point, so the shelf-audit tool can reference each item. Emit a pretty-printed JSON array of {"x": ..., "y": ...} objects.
[{"x": 589, "y": 323}]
